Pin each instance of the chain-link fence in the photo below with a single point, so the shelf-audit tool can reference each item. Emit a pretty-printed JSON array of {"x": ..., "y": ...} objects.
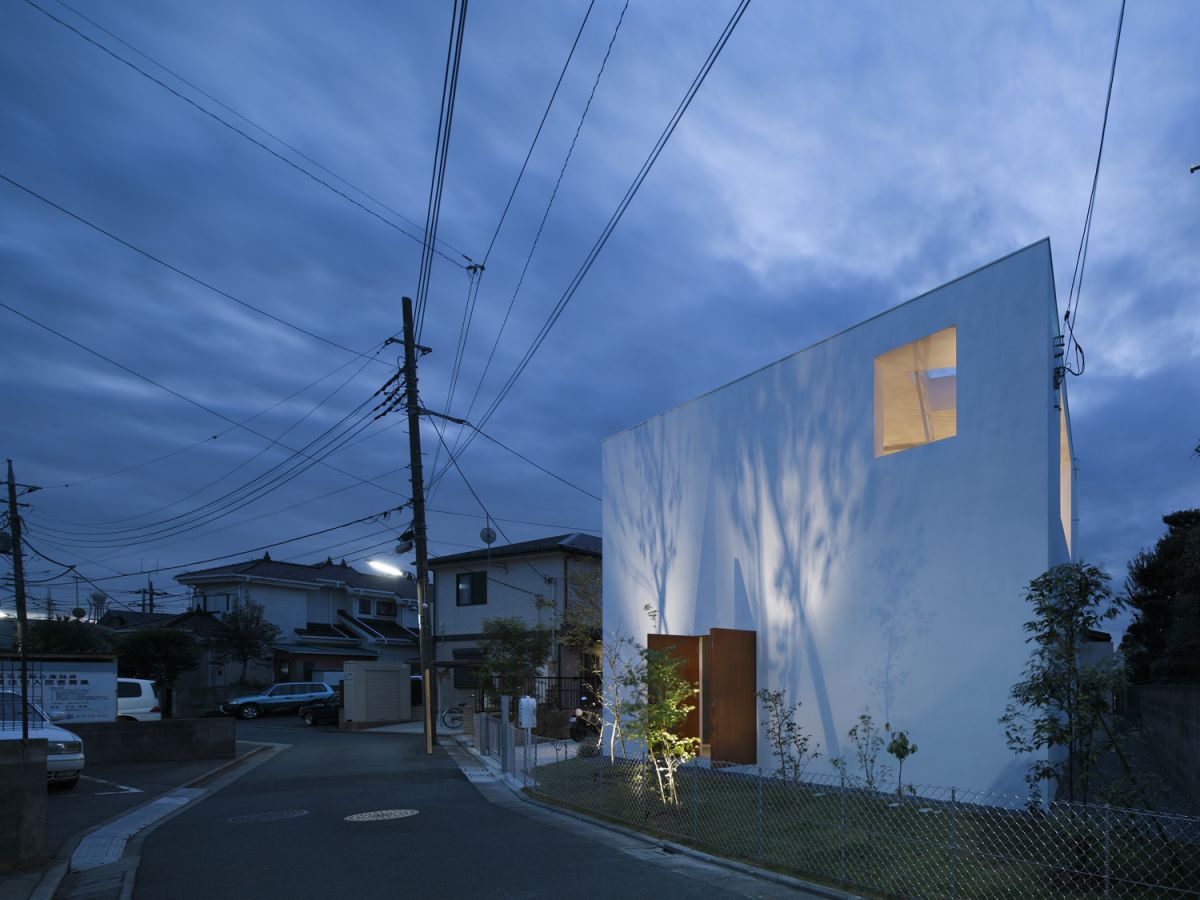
[{"x": 938, "y": 842}]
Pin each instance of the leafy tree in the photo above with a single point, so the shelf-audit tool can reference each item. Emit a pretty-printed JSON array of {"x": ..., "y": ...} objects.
[
  {"x": 512, "y": 653},
  {"x": 582, "y": 626},
  {"x": 247, "y": 636},
  {"x": 790, "y": 743},
  {"x": 1061, "y": 706},
  {"x": 659, "y": 701},
  {"x": 867, "y": 741},
  {"x": 66, "y": 635},
  {"x": 1162, "y": 644},
  {"x": 160, "y": 654}
]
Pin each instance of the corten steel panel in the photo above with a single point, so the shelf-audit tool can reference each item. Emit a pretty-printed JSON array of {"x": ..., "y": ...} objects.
[
  {"x": 734, "y": 683},
  {"x": 685, "y": 648}
]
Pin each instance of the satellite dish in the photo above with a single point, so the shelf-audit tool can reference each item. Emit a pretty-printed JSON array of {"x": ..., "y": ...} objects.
[{"x": 487, "y": 536}]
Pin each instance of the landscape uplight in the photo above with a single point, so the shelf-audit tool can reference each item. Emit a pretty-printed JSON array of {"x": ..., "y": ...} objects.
[{"x": 384, "y": 567}]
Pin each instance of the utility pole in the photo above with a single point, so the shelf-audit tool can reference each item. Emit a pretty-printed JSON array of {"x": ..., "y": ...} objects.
[
  {"x": 429, "y": 692},
  {"x": 14, "y": 524}
]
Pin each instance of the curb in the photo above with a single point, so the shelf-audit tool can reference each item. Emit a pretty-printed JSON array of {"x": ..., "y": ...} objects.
[
  {"x": 819, "y": 890},
  {"x": 59, "y": 867}
]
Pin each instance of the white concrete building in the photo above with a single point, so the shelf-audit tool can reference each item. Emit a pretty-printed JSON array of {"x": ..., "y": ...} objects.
[{"x": 856, "y": 524}]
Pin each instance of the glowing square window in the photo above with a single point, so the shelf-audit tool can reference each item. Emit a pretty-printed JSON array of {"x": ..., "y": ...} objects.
[{"x": 916, "y": 394}]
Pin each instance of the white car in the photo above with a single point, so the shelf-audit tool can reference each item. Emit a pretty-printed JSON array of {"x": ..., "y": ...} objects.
[
  {"x": 136, "y": 700},
  {"x": 64, "y": 749}
]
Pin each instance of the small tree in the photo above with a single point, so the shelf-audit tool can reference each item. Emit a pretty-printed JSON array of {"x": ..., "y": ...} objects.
[
  {"x": 900, "y": 747},
  {"x": 657, "y": 706},
  {"x": 867, "y": 743},
  {"x": 1063, "y": 702},
  {"x": 160, "y": 654},
  {"x": 790, "y": 744},
  {"x": 247, "y": 636},
  {"x": 512, "y": 653},
  {"x": 609, "y": 719}
]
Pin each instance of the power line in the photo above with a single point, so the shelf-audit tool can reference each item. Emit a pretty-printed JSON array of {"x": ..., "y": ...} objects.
[
  {"x": 537, "y": 466},
  {"x": 469, "y": 309},
  {"x": 549, "y": 205},
  {"x": 162, "y": 262},
  {"x": 212, "y": 115},
  {"x": 253, "y": 123},
  {"x": 200, "y": 562},
  {"x": 441, "y": 151},
  {"x": 199, "y": 443},
  {"x": 233, "y": 500},
  {"x": 614, "y": 219},
  {"x": 1076, "y": 289},
  {"x": 181, "y": 396}
]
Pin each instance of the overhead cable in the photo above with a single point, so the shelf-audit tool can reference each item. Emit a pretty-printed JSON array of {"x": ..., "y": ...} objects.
[
  {"x": 1071, "y": 315},
  {"x": 236, "y": 130}
]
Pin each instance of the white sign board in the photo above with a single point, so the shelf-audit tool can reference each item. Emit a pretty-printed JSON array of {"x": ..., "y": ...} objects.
[{"x": 84, "y": 690}]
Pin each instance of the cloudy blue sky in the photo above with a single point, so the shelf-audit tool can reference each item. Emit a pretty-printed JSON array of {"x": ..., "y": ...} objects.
[{"x": 839, "y": 159}]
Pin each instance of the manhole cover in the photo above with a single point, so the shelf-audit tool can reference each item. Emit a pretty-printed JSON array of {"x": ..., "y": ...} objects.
[
  {"x": 273, "y": 816},
  {"x": 381, "y": 815}
]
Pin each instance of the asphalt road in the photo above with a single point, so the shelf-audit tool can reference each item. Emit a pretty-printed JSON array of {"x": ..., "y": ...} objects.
[{"x": 282, "y": 830}]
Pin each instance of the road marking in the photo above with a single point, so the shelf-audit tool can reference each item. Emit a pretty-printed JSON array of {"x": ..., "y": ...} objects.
[
  {"x": 106, "y": 844},
  {"x": 381, "y": 815},
  {"x": 277, "y": 815},
  {"x": 121, "y": 788}
]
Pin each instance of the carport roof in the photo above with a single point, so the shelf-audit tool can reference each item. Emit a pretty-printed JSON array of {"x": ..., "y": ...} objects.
[{"x": 315, "y": 650}]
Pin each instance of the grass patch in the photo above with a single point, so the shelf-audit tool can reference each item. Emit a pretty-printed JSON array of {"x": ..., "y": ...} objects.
[{"x": 911, "y": 848}]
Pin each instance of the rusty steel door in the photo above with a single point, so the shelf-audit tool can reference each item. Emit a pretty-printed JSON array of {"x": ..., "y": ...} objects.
[
  {"x": 733, "y": 683},
  {"x": 687, "y": 649}
]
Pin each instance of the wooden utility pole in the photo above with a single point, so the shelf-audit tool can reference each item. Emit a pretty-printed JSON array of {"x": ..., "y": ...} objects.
[
  {"x": 14, "y": 524},
  {"x": 424, "y": 627}
]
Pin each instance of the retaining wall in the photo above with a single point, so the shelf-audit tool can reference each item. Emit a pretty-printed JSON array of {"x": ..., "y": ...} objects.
[
  {"x": 169, "y": 739},
  {"x": 22, "y": 804}
]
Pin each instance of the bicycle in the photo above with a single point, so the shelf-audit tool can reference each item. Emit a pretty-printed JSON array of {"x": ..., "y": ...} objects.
[{"x": 452, "y": 716}]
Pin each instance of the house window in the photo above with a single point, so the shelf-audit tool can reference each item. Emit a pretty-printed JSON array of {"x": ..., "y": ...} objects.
[
  {"x": 916, "y": 394},
  {"x": 364, "y": 606},
  {"x": 472, "y": 589},
  {"x": 385, "y": 608}
]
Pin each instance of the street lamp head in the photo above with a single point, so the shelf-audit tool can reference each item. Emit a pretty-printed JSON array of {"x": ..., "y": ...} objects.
[{"x": 385, "y": 568}]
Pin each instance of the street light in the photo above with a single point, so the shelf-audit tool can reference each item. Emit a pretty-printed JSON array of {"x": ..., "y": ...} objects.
[{"x": 385, "y": 567}]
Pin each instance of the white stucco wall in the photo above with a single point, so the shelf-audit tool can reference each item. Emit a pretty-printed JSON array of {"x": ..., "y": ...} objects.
[{"x": 892, "y": 584}]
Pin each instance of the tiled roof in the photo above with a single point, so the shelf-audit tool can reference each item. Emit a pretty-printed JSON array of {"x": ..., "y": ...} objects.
[
  {"x": 319, "y": 575},
  {"x": 577, "y": 544}
]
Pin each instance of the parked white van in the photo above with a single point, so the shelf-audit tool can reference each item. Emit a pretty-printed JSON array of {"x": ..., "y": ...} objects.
[{"x": 136, "y": 700}]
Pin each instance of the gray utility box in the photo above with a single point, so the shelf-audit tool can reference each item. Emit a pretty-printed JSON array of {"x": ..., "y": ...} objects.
[{"x": 376, "y": 693}]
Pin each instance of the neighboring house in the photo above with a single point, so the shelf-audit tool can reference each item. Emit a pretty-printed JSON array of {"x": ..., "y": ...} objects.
[
  {"x": 530, "y": 580},
  {"x": 856, "y": 524},
  {"x": 198, "y": 691},
  {"x": 328, "y": 613}
]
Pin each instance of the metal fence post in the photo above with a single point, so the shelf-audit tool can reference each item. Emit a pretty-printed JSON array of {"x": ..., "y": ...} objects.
[
  {"x": 525, "y": 767},
  {"x": 1107, "y": 849},
  {"x": 842, "y": 829},
  {"x": 953, "y": 843},
  {"x": 758, "y": 820},
  {"x": 695, "y": 806},
  {"x": 505, "y": 737}
]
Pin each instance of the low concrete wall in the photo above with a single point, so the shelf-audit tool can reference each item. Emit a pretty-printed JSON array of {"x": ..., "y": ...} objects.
[
  {"x": 106, "y": 742},
  {"x": 1171, "y": 719},
  {"x": 22, "y": 804}
]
